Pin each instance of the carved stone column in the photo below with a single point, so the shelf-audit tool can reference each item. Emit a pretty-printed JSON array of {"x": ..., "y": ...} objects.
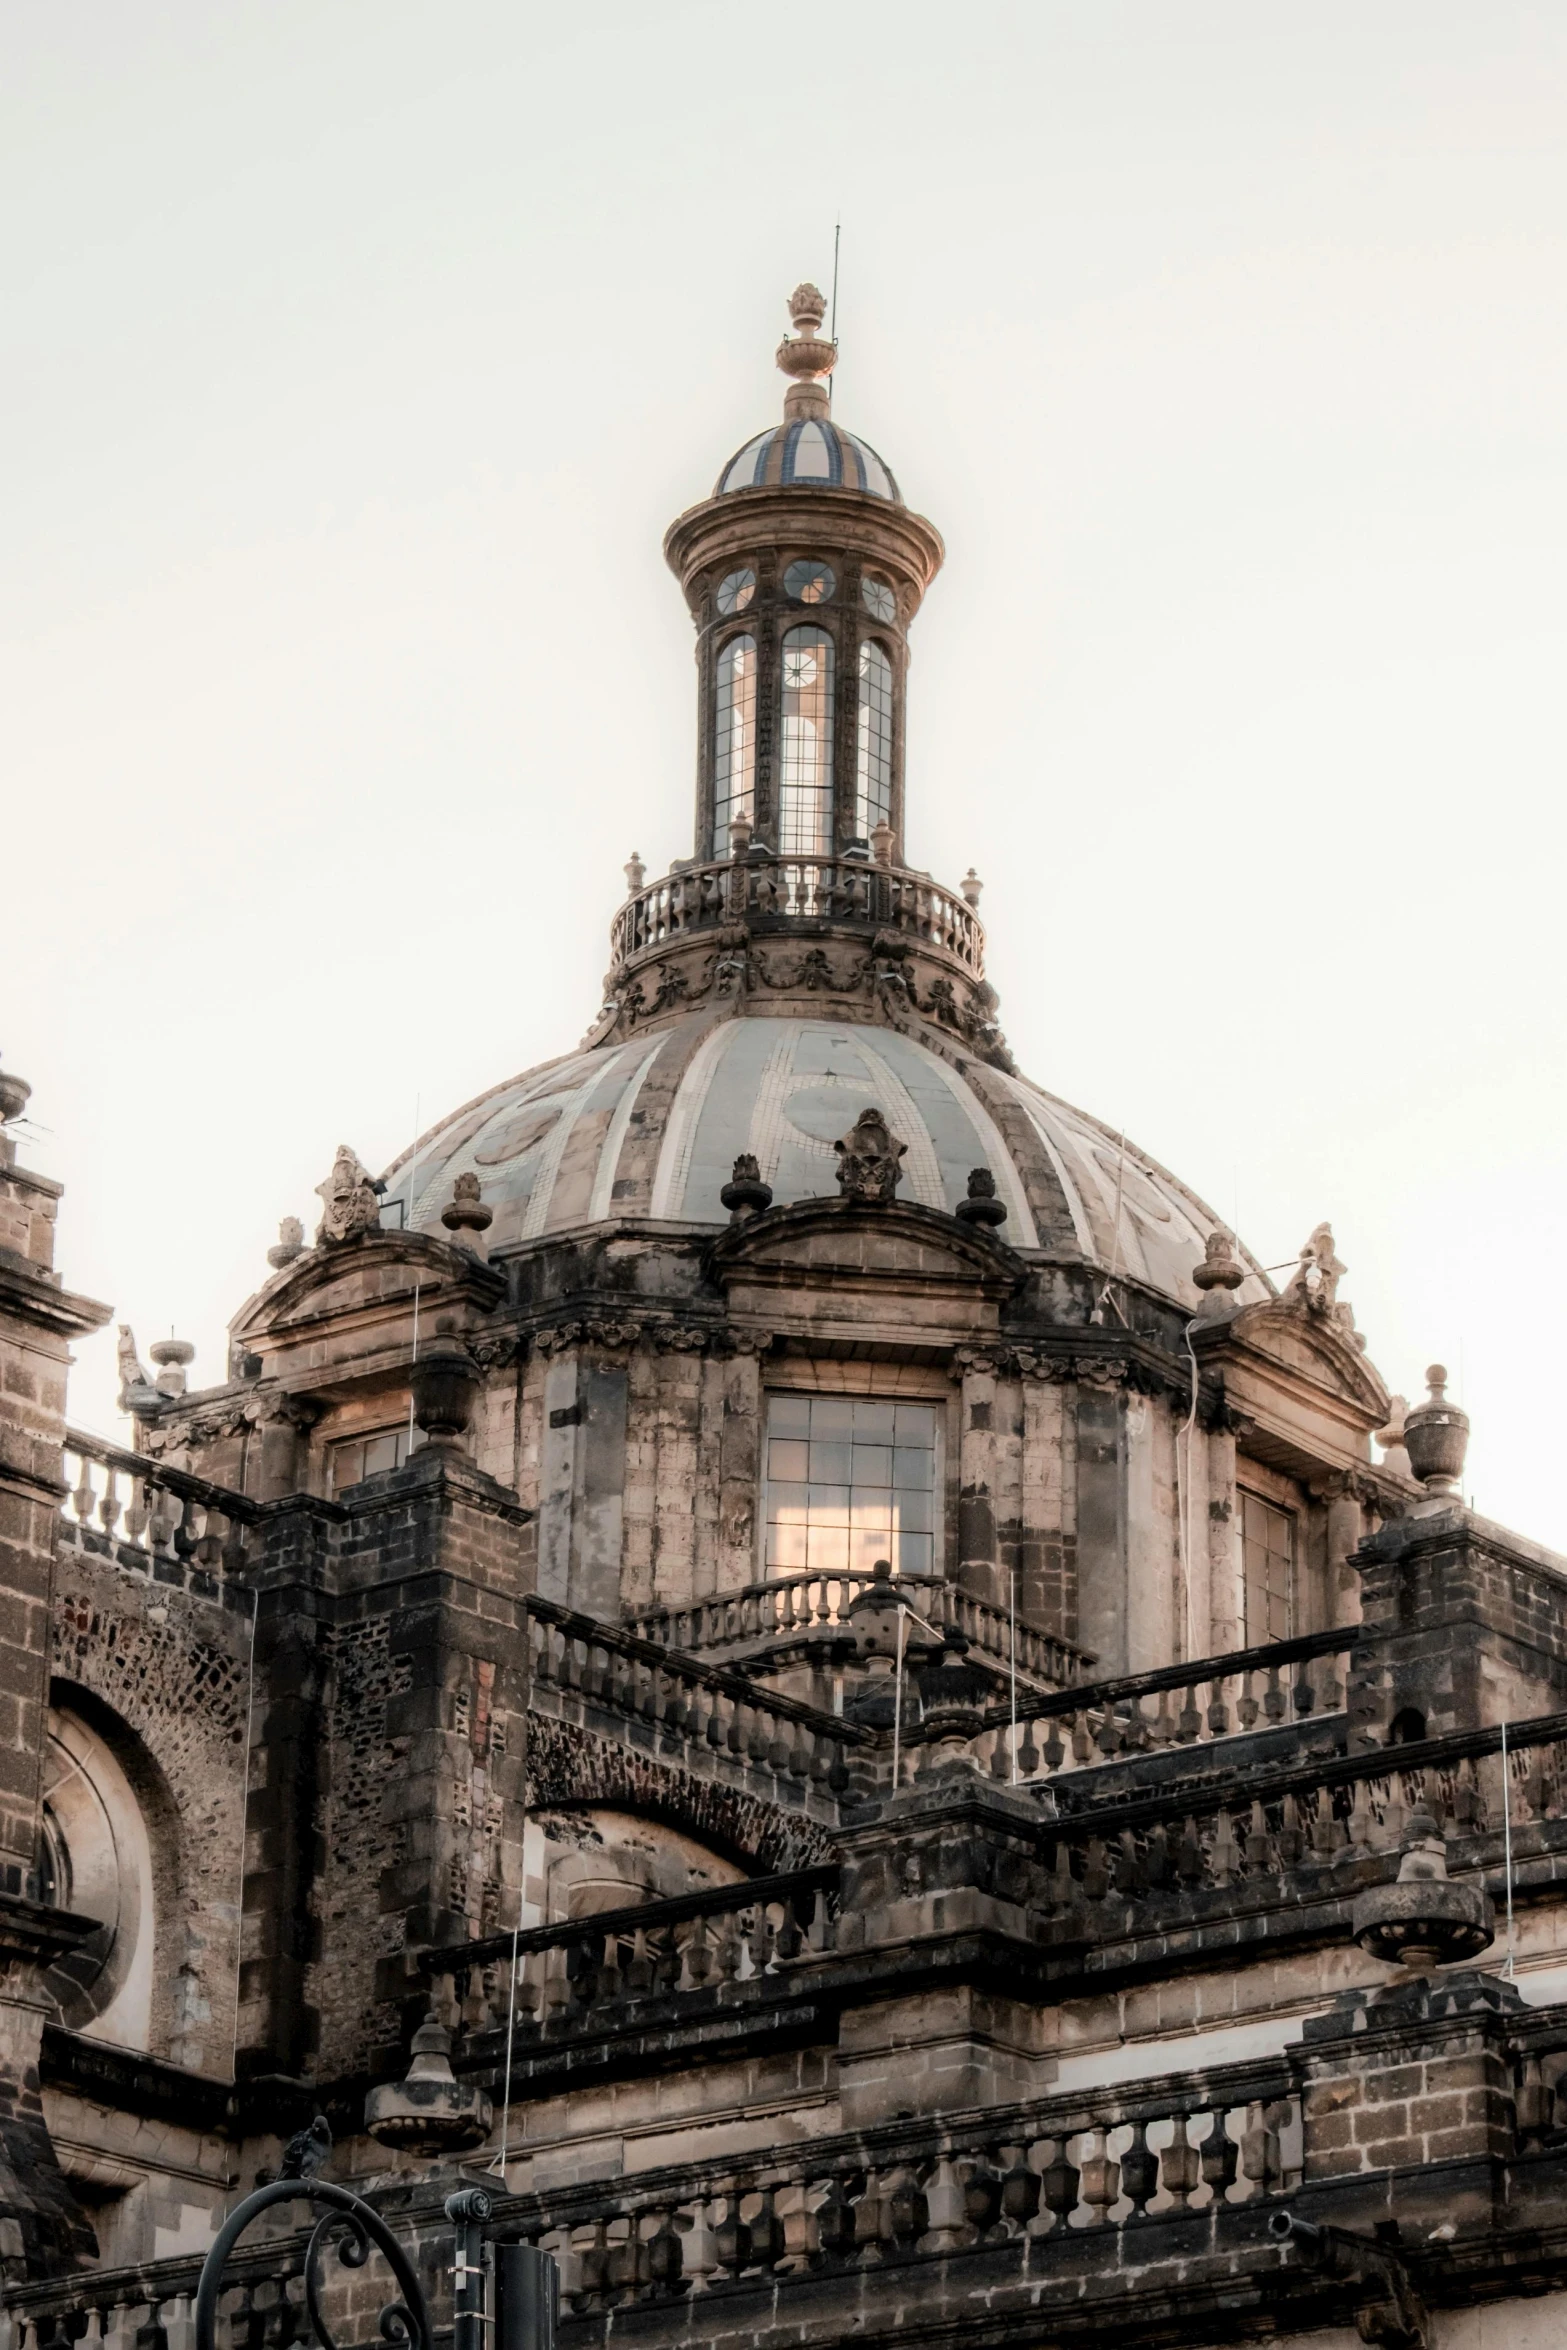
[
  {"x": 978, "y": 1561},
  {"x": 1226, "y": 1599}
]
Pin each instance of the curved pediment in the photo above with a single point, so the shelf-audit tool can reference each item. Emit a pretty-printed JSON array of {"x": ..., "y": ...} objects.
[
  {"x": 376, "y": 1269},
  {"x": 879, "y": 1245},
  {"x": 1304, "y": 1344}
]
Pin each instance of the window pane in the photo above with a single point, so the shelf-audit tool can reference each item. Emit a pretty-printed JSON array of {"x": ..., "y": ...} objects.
[
  {"x": 831, "y": 1461},
  {"x": 805, "y": 795},
  {"x": 914, "y": 1554},
  {"x": 788, "y": 1456},
  {"x": 734, "y": 738},
  {"x": 1268, "y": 1569},
  {"x": 873, "y": 1464},
  {"x": 380, "y": 1453},
  {"x": 874, "y": 1421},
  {"x": 914, "y": 1513},
  {"x": 789, "y": 1415},
  {"x": 831, "y": 1415},
  {"x": 916, "y": 1424},
  {"x": 911, "y": 1470},
  {"x": 829, "y": 1503},
  {"x": 786, "y": 1500},
  {"x": 829, "y": 1549},
  {"x": 786, "y": 1547},
  {"x": 873, "y": 741}
]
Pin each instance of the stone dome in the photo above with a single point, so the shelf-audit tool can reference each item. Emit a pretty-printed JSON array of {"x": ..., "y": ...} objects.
[
  {"x": 808, "y": 452},
  {"x": 649, "y": 1128}
]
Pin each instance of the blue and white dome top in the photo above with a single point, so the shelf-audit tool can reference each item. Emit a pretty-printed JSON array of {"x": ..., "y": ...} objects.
[{"x": 808, "y": 451}]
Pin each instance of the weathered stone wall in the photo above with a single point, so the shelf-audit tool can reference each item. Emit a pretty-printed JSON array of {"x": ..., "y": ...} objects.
[{"x": 170, "y": 1671}]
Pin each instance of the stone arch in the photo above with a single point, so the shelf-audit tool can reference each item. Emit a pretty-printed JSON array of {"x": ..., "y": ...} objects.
[{"x": 569, "y": 1767}]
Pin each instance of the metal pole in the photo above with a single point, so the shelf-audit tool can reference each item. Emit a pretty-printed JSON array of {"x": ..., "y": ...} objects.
[
  {"x": 528, "y": 2290},
  {"x": 1507, "y": 1844},
  {"x": 467, "y": 2210},
  {"x": 897, "y": 1701}
]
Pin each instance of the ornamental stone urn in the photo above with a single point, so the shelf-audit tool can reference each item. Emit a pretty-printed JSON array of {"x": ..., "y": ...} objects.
[
  {"x": 1436, "y": 1438},
  {"x": 445, "y": 1385}
]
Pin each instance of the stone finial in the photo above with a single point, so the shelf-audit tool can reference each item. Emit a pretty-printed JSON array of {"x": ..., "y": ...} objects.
[
  {"x": 1436, "y": 1438},
  {"x": 429, "y": 2111},
  {"x": 349, "y": 1205},
  {"x": 745, "y": 1194},
  {"x": 466, "y": 1217},
  {"x": 136, "y": 1387},
  {"x": 869, "y": 1159},
  {"x": 806, "y": 356},
  {"x": 981, "y": 1205},
  {"x": 1391, "y": 1438},
  {"x": 1218, "y": 1276},
  {"x": 171, "y": 1356},
  {"x": 881, "y": 842},
  {"x": 970, "y": 886},
  {"x": 290, "y": 1244},
  {"x": 15, "y": 1094},
  {"x": 740, "y": 831},
  {"x": 636, "y": 874},
  {"x": 1423, "y": 1920}
]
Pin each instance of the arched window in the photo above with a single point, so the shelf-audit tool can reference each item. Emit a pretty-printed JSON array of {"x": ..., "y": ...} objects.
[
  {"x": 873, "y": 758},
  {"x": 805, "y": 794},
  {"x": 734, "y": 739}
]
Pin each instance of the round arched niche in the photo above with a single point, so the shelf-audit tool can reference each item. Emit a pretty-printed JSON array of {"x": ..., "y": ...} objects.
[
  {"x": 97, "y": 1861},
  {"x": 597, "y": 1859}
]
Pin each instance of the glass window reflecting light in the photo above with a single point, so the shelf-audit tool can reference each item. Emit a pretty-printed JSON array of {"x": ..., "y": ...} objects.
[
  {"x": 850, "y": 1481},
  {"x": 734, "y": 738},
  {"x": 1268, "y": 1564},
  {"x": 810, "y": 581},
  {"x": 805, "y": 780},
  {"x": 878, "y": 599},
  {"x": 367, "y": 1456},
  {"x": 735, "y": 592},
  {"x": 873, "y": 741}
]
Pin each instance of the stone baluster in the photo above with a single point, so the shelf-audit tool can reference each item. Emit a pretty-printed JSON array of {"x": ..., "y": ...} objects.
[
  {"x": 1226, "y": 1856},
  {"x": 1218, "y": 1708},
  {"x": 136, "y": 1514},
  {"x": 1139, "y": 2171},
  {"x": 1101, "y": 2178},
  {"x": 593, "y": 2265},
  {"x": 1019, "y": 2188},
  {"x": 1180, "y": 2171},
  {"x": 1190, "y": 1866},
  {"x": 731, "y": 2236},
  {"x": 177, "y": 2318},
  {"x": 1189, "y": 1722},
  {"x": 947, "y": 2224},
  {"x": 120, "y": 2328},
  {"x": 1220, "y": 2157},
  {"x": 906, "y": 2214},
  {"x": 1060, "y": 2183},
  {"x": 836, "y": 2219},
  {"x": 110, "y": 1507},
  {"x": 84, "y": 1499},
  {"x": 699, "y": 2248}
]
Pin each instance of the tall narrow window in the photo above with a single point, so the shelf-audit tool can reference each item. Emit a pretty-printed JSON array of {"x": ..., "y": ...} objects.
[
  {"x": 734, "y": 739},
  {"x": 1268, "y": 1563},
  {"x": 873, "y": 762},
  {"x": 850, "y": 1480},
  {"x": 805, "y": 793}
]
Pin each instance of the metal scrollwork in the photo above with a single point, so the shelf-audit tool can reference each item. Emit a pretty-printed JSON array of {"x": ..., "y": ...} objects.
[{"x": 347, "y": 2223}]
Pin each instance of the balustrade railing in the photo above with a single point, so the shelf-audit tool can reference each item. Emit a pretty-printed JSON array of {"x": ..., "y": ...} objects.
[
  {"x": 665, "y": 1695},
  {"x": 1202, "y": 1703},
  {"x": 609, "y": 1962},
  {"x": 799, "y": 889},
  {"x": 158, "y": 1514},
  {"x": 1037, "y": 2176},
  {"x": 1326, "y": 1826},
  {"x": 803, "y": 1607}
]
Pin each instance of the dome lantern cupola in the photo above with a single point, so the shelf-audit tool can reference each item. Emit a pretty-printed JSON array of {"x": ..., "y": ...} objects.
[{"x": 803, "y": 572}]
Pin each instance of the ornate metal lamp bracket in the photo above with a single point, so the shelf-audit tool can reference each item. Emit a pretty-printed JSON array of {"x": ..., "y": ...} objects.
[{"x": 347, "y": 2221}]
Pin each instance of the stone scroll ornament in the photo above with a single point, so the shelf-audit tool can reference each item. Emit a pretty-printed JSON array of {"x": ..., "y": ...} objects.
[
  {"x": 346, "y": 2223},
  {"x": 870, "y": 1159},
  {"x": 349, "y": 1204}
]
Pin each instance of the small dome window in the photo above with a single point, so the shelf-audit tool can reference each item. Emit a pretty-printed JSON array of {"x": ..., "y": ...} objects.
[
  {"x": 878, "y": 599},
  {"x": 735, "y": 592},
  {"x": 809, "y": 581}
]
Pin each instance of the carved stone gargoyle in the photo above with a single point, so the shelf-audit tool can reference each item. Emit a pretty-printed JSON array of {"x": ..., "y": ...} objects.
[
  {"x": 869, "y": 1159},
  {"x": 349, "y": 1205}
]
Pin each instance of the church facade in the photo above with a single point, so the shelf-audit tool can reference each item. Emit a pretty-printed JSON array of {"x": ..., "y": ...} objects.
[{"x": 777, "y": 1646}]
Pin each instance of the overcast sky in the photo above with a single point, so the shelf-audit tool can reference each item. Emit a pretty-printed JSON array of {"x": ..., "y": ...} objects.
[{"x": 357, "y": 353}]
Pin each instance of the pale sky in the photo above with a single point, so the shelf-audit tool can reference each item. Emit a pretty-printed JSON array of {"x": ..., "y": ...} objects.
[{"x": 357, "y": 353}]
